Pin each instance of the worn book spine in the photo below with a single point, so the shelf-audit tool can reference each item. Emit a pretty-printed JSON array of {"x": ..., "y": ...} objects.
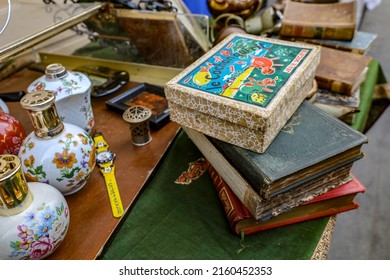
[
  {"x": 336, "y": 21},
  {"x": 341, "y": 72},
  {"x": 334, "y": 86},
  {"x": 235, "y": 210},
  {"x": 291, "y": 29},
  {"x": 288, "y": 200},
  {"x": 340, "y": 86},
  {"x": 240, "y": 220}
]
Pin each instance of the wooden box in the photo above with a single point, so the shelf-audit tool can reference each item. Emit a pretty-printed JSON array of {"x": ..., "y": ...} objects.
[{"x": 243, "y": 90}]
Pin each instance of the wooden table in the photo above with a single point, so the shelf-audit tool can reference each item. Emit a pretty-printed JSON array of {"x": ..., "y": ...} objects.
[{"x": 91, "y": 220}]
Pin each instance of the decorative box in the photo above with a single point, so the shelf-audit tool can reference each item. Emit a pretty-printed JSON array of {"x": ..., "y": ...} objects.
[{"x": 243, "y": 90}]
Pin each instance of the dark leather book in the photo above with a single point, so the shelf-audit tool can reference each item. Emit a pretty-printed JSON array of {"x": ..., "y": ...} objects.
[
  {"x": 240, "y": 219},
  {"x": 336, "y": 21},
  {"x": 341, "y": 72},
  {"x": 311, "y": 144}
]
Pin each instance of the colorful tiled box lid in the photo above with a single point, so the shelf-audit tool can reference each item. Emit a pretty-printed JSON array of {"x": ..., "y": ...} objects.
[{"x": 247, "y": 80}]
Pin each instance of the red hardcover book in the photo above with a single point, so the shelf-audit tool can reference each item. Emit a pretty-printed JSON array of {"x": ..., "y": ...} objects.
[{"x": 337, "y": 200}]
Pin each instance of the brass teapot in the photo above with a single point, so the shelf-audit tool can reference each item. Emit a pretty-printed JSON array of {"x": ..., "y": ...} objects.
[{"x": 242, "y": 8}]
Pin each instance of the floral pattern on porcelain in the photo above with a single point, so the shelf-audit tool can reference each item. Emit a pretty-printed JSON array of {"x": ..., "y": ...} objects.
[
  {"x": 66, "y": 86},
  {"x": 12, "y": 134},
  {"x": 88, "y": 113},
  {"x": 66, "y": 164},
  {"x": 39, "y": 229},
  {"x": 77, "y": 111},
  {"x": 41, "y": 233}
]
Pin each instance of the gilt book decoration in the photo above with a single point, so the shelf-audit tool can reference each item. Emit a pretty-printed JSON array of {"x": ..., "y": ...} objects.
[
  {"x": 311, "y": 143},
  {"x": 243, "y": 90},
  {"x": 240, "y": 219},
  {"x": 336, "y": 21}
]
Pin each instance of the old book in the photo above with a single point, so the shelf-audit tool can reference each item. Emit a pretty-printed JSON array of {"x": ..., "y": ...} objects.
[
  {"x": 264, "y": 209},
  {"x": 335, "y": 21},
  {"x": 240, "y": 219},
  {"x": 326, "y": 96},
  {"x": 341, "y": 72},
  {"x": 360, "y": 44},
  {"x": 244, "y": 89},
  {"x": 338, "y": 105},
  {"x": 311, "y": 143}
]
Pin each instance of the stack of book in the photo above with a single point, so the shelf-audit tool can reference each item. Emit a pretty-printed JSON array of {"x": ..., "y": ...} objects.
[
  {"x": 339, "y": 77},
  {"x": 344, "y": 60},
  {"x": 243, "y": 105},
  {"x": 312, "y": 155},
  {"x": 241, "y": 220},
  {"x": 330, "y": 24}
]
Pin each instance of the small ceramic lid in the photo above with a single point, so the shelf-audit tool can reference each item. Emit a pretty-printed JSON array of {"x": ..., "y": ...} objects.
[{"x": 55, "y": 71}]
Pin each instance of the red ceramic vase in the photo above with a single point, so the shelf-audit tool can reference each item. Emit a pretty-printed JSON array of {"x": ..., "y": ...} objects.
[{"x": 12, "y": 134}]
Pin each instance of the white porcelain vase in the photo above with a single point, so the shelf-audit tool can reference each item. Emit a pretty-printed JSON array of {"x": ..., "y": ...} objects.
[
  {"x": 57, "y": 153},
  {"x": 73, "y": 94},
  {"x": 34, "y": 217}
]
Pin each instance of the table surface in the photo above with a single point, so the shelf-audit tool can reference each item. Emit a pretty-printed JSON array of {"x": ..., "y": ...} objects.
[{"x": 91, "y": 220}]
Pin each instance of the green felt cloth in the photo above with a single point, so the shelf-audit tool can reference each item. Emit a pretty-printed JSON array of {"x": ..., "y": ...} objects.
[
  {"x": 375, "y": 75},
  {"x": 175, "y": 221}
]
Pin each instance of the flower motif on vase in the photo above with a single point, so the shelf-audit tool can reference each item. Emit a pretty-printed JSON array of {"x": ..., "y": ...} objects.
[
  {"x": 12, "y": 134},
  {"x": 39, "y": 85},
  {"x": 88, "y": 113},
  {"x": 66, "y": 87},
  {"x": 34, "y": 173},
  {"x": 41, "y": 233},
  {"x": 70, "y": 165}
]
